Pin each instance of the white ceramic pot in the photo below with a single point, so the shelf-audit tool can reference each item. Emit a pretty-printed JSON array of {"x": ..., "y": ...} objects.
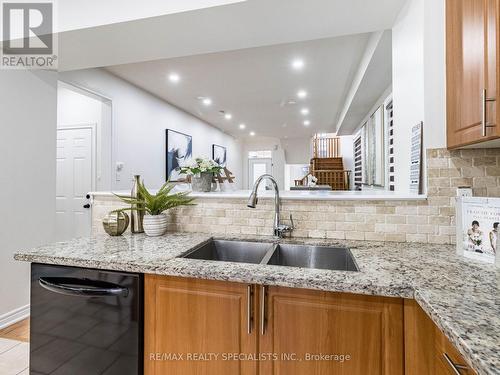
[{"x": 155, "y": 225}]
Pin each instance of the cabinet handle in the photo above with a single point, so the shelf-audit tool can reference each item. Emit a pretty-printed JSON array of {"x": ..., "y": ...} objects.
[
  {"x": 455, "y": 367},
  {"x": 249, "y": 308},
  {"x": 263, "y": 310},
  {"x": 484, "y": 101}
]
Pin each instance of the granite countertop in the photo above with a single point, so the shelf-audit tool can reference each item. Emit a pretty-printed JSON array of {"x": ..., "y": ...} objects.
[{"x": 461, "y": 296}]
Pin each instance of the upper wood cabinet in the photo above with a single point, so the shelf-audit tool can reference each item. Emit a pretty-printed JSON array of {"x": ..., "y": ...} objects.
[
  {"x": 317, "y": 326},
  {"x": 186, "y": 319},
  {"x": 471, "y": 71}
]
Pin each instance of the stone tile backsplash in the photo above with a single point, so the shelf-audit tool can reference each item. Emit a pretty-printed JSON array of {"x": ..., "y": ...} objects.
[{"x": 428, "y": 221}]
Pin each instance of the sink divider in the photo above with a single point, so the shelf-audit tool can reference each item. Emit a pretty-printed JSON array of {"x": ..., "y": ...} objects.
[{"x": 269, "y": 253}]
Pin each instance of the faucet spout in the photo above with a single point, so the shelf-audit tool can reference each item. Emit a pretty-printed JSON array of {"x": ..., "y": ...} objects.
[{"x": 252, "y": 200}]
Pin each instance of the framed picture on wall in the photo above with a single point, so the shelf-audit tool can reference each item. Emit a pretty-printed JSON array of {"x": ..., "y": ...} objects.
[
  {"x": 179, "y": 151},
  {"x": 219, "y": 154}
]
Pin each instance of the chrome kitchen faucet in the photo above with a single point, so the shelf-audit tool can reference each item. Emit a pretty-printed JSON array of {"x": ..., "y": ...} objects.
[{"x": 279, "y": 229}]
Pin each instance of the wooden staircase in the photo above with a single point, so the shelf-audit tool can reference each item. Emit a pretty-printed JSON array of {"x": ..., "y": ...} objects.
[
  {"x": 327, "y": 165},
  {"x": 330, "y": 171}
]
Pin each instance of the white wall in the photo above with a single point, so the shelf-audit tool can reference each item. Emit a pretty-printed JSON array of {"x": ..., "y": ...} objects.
[
  {"x": 297, "y": 150},
  {"x": 434, "y": 74},
  {"x": 27, "y": 162},
  {"x": 408, "y": 85},
  {"x": 278, "y": 156},
  {"x": 139, "y": 123},
  {"x": 76, "y": 107},
  {"x": 419, "y": 80}
]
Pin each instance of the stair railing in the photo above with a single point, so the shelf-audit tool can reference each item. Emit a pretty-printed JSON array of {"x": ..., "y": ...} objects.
[{"x": 326, "y": 147}]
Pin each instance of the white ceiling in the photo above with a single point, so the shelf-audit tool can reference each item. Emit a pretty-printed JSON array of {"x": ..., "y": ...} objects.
[
  {"x": 256, "y": 84},
  {"x": 372, "y": 80},
  {"x": 78, "y": 14},
  {"x": 247, "y": 24}
]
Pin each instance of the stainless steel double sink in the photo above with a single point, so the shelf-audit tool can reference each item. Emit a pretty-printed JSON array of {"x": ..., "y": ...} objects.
[{"x": 278, "y": 254}]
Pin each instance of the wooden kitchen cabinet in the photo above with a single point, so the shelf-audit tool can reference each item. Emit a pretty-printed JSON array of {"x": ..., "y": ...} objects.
[
  {"x": 194, "y": 326},
  {"x": 197, "y": 316},
  {"x": 185, "y": 318},
  {"x": 427, "y": 350},
  {"x": 420, "y": 335},
  {"x": 472, "y": 73},
  {"x": 300, "y": 323},
  {"x": 447, "y": 358}
]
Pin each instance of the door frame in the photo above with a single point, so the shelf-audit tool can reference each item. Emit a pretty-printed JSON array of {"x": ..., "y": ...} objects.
[
  {"x": 250, "y": 172},
  {"x": 106, "y": 125},
  {"x": 93, "y": 146}
]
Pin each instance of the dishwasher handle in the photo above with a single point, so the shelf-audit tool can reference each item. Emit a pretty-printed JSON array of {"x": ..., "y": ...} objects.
[{"x": 71, "y": 286}]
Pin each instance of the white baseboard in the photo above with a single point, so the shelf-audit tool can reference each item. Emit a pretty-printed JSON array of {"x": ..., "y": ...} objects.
[{"x": 14, "y": 316}]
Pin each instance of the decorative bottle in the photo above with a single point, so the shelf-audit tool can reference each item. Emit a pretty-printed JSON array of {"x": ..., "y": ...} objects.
[{"x": 136, "y": 217}]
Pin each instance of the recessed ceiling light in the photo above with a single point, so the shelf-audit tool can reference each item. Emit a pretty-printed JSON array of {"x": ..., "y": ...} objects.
[
  {"x": 228, "y": 116},
  {"x": 298, "y": 64},
  {"x": 174, "y": 77},
  {"x": 242, "y": 126},
  {"x": 302, "y": 94},
  {"x": 307, "y": 123},
  {"x": 252, "y": 133},
  {"x": 206, "y": 101},
  {"x": 304, "y": 111}
]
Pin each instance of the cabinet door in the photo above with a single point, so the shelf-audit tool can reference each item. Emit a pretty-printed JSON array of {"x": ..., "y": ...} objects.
[
  {"x": 471, "y": 51},
  {"x": 420, "y": 333},
  {"x": 447, "y": 359},
  {"x": 427, "y": 350},
  {"x": 186, "y": 319},
  {"x": 315, "y": 332}
]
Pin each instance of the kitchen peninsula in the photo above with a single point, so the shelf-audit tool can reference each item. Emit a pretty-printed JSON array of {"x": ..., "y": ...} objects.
[{"x": 401, "y": 276}]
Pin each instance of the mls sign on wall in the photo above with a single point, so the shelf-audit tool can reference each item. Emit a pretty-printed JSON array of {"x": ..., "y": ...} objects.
[{"x": 28, "y": 34}]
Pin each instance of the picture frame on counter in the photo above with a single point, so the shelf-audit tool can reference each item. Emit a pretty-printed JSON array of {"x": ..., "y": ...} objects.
[{"x": 478, "y": 226}]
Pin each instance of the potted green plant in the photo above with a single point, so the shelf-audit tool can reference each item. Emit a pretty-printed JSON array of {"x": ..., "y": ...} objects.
[
  {"x": 154, "y": 206},
  {"x": 201, "y": 171}
]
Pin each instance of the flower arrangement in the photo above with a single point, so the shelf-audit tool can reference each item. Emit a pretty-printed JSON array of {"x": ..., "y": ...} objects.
[{"x": 201, "y": 165}]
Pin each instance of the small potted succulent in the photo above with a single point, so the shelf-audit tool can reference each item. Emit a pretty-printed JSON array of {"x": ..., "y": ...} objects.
[
  {"x": 154, "y": 206},
  {"x": 201, "y": 171}
]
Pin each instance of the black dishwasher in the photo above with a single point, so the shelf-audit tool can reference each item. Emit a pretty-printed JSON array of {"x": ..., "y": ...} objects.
[{"x": 85, "y": 321}]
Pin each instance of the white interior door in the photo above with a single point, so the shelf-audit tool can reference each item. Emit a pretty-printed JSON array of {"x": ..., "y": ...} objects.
[
  {"x": 256, "y": 168},
  {"x": 74, "y": 182}
]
